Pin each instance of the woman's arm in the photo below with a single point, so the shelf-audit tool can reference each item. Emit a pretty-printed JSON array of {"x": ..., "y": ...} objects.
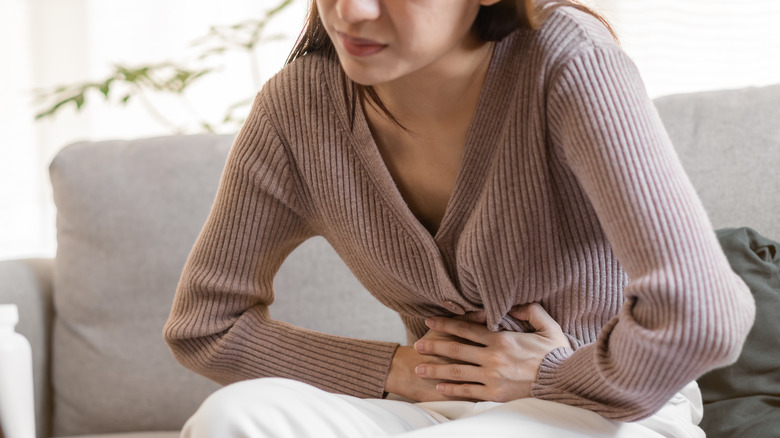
[
  {"x": 220, "y": 324},
  {"x": 685, "y": 311}
]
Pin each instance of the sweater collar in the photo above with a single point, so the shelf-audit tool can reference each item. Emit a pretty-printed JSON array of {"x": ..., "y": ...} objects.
[{"x": 485, "y": 133}]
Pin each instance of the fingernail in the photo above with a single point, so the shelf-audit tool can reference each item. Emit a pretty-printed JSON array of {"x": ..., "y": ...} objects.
[
  {"x": 419, "y": 346},
  {"x": 429, "y": 322},
  {"x": 420, "y": 370},
  {"x": 440, "y": 387}
]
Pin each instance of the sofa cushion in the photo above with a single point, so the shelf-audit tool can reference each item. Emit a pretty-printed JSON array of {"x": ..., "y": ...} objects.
[
  {"x": 729, "y": 143},
  {"x": 127, "y": 215}
]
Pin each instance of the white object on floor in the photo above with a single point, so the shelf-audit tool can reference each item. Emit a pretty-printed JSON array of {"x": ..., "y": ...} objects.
[{"x": 17, "y": 411}]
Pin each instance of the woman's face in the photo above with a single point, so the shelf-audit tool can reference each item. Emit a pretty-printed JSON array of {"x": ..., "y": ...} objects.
[{"x": 378, "y": 41}]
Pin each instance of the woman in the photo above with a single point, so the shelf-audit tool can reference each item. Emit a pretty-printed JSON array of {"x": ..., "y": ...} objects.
[{"x": 495, "y": 172}]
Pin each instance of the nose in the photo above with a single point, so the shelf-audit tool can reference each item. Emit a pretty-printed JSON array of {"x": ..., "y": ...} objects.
[{"x": 355, "y": 11}]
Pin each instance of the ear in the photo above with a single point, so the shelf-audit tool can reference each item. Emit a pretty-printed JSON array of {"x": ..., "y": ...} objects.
[{"x": 488, "y": 2}]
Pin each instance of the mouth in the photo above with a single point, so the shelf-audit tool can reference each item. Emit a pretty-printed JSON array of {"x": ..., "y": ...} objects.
[{"x": 360, "y": 47}]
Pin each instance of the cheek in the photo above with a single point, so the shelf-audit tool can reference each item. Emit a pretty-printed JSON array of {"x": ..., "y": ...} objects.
[
  {"x": 325, "y": 9},
  {"x": 421, "y": 28},
  {"x": 434, "y": 34}
]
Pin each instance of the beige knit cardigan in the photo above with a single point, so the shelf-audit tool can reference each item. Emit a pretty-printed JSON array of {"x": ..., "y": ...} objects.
[{"x": 569, "y": 194}]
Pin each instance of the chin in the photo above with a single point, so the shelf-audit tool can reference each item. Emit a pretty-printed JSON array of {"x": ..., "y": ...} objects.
[
  {"x": 366, "y": 75},
  {"x": 363, "y": 78}
]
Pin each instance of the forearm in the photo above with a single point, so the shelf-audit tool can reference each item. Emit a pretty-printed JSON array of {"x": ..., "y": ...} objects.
[{"x": 256, "y": 346}]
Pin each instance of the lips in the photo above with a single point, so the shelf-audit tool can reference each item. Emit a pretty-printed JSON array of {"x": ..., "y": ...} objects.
[{"x": 360, "y": 46}]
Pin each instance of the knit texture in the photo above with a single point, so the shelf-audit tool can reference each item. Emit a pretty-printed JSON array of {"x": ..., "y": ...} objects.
[{"x": 569, "y": 194}]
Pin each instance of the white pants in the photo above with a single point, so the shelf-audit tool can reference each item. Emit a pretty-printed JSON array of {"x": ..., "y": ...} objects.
[{"x": 280, "y": 408}]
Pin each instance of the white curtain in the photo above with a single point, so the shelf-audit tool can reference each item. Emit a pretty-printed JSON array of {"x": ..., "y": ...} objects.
[
  {"x": 23, "y": 202},
  {"x": 679, "y": 46},
  {"x": 691, "y": 45}
]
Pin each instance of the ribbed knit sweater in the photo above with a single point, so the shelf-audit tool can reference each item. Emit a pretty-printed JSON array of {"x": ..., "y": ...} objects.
[{"x": 569, "y": 194}]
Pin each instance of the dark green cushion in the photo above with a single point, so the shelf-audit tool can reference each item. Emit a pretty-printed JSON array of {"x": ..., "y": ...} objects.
[{"x": 742, "y": 400}]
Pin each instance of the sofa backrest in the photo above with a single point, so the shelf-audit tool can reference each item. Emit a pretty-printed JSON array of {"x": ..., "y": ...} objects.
[
  {"x": 127, "y": 213},
  {"x": 729, "y": 143}
]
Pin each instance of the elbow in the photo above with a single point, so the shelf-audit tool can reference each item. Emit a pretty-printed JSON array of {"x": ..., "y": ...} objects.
[
  {"x": 191, "y": 338},
  {"x": 724, "y": 330},
  {"x": 170, "y": 335},
  {"x": 717, "y": 331},
  {"x": 190, "y": 350},
  {"x": 179, "y": 345},
  {"x": 176, "y": 336}
]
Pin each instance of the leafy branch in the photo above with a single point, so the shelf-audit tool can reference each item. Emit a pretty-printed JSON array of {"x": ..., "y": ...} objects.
[{"x": 125, "y": 83}]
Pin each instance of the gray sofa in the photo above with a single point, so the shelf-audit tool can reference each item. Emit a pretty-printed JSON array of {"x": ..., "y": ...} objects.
[{"x": 129, "y": 211}]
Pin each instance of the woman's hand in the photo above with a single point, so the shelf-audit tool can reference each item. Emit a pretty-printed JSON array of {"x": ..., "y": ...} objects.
[
  {"x": 402, "y": 379},
  {"x": 501, "y": 367}
]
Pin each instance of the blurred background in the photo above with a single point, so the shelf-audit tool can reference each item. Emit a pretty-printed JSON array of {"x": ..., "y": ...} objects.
[{"x": 680, "y": 46}]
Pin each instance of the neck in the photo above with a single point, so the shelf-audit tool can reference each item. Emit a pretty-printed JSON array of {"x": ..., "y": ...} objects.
[{"x": 441, "y": 93}]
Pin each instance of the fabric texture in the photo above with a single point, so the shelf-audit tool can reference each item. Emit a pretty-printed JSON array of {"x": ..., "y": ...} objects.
[
  {"x": 738, "y": 127},
  {"x": 570, "y": 194},
  {"x": 328, "y": 298},
  {"x": 125, "y": 225},
  {"x": 273, "y": 408},
  {"x": 743, "y": 399}
]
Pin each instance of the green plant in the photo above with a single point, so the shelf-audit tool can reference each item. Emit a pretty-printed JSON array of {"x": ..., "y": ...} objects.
[{"x": 125, "y": 83}]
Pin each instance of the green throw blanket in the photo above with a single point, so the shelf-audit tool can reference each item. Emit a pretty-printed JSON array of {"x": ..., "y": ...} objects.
[{"x": 743, "y": 400}]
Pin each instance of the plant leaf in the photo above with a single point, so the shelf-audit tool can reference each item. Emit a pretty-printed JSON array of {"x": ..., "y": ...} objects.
[
  {"x": 171, "y": 77},
  {"x": 105, "y": 88},
  {"x": 277, "y": 9}
]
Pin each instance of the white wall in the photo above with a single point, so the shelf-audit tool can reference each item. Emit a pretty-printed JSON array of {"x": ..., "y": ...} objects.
[{"x": 679, "y": 45}]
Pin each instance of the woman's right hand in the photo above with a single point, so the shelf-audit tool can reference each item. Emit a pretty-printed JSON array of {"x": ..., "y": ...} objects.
[{"x": 404, "y": 381}]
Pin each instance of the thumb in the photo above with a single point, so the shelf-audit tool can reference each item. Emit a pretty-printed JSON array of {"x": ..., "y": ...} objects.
[{"x": 535, "y": 314}]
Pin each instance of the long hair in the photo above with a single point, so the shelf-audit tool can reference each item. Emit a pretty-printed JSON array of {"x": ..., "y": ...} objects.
[{"x": 493, "y": 23}]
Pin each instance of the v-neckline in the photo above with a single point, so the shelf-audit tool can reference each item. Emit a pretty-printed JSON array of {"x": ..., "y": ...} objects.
[{"x": 481, "y": 138}]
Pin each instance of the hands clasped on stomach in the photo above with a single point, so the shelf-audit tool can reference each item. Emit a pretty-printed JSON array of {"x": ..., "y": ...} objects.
[{"x": 460, "y": 359}]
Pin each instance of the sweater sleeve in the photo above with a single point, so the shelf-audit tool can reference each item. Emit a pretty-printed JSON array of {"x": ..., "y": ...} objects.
[
  {"x": 685, "y": 311},
  {"x": 220, "y": 325}
]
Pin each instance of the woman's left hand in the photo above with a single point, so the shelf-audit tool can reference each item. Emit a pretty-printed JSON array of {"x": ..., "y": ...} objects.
[{"x": 502, "y": 366}]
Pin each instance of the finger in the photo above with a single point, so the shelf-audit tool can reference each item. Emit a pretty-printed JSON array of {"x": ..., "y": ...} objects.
[
  {"x": 455, "y": 372},
  {"x": 452, "y": 350},
  {"x": 470, "y": 391},
  {"x": 477, "y": 317},
  {"x": 535, "y": 314},
  {"x": 463, "y": 329}
]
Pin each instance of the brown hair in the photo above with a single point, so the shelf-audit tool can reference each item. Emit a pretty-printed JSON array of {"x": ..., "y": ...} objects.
[{"x": 493, "y": 23}]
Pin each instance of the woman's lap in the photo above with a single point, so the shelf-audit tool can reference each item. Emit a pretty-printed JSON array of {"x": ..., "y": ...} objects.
[{"x": 282, "y": 408}]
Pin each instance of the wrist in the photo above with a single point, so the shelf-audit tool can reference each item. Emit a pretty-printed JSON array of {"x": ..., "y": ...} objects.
[{"x": 394, "y": 383}]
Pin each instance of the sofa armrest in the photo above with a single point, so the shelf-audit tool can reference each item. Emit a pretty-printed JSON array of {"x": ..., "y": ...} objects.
[{"x": 28, "y": 284}]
